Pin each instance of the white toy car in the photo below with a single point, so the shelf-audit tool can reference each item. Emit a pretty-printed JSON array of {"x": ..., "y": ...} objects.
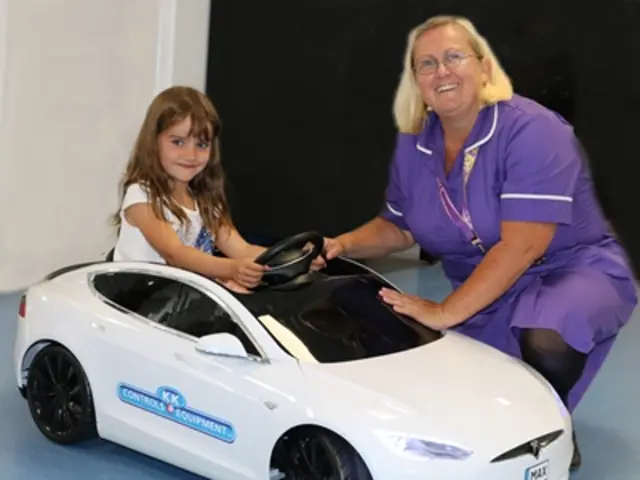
[{"x": 311, "y": 376}]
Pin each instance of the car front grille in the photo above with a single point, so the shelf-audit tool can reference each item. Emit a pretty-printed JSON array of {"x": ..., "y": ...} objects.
[{"x": 530, "y": 447}]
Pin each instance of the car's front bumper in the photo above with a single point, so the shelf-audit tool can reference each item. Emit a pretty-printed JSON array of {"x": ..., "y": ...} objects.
[
  {"x": 552, "y": 464},
  {"x": 494, "y": 472}
]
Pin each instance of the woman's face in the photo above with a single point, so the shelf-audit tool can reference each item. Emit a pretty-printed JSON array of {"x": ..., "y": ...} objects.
[{"x": 448, "y": 73}]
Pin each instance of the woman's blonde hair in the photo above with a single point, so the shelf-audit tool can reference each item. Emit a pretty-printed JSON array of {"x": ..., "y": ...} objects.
[
  {"x": 208, "y": 187},
  {"x": 409, "y": 108}
]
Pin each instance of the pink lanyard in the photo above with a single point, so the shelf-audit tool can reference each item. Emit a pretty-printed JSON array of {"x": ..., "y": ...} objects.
[{"x": 462, "y": 219}]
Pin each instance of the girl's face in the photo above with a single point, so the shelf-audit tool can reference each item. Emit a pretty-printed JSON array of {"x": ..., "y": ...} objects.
[{"x": 182, "y": 156}]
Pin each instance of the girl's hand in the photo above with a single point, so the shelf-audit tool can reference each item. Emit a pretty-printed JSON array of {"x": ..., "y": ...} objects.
[
  {"x": 235, "y": 287},
  {"x": 248, "y": 273}
]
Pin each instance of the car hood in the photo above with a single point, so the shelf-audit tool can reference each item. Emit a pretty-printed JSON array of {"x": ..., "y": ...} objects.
[{"x": 455, "y": 389}]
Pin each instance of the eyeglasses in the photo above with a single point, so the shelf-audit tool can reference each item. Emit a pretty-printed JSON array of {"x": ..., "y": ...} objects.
[{"x": 452, "y": 60}]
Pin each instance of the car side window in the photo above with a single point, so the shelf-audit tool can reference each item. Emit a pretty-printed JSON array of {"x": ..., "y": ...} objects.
[{"x": 170, "y": 303}]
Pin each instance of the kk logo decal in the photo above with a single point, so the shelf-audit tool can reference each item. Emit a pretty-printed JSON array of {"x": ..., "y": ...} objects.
[{"x": 170, "y": 404}]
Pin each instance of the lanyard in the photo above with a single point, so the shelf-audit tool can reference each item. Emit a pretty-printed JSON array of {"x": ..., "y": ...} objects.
[{"x": 462, "y": 219}]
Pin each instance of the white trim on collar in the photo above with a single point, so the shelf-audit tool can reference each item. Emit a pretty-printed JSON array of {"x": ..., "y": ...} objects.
[
  {"x": 480, "y": 142},
  {"x": 423, "y": 149}
]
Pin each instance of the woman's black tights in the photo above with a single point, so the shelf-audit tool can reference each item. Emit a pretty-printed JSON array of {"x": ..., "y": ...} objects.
[{"x": 549, "y": 354}]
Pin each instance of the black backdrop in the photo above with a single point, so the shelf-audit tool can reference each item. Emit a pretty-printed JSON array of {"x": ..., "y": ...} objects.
[{"x": 305, "y": 92}]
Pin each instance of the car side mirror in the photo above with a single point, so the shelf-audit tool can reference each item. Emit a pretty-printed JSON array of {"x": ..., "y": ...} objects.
[{"x": 223, "y": 344}]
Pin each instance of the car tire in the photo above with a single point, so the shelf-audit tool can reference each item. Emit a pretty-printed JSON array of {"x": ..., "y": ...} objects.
[
  {"x": 336, "y": 459},
  {"x": 59, "y": 397}
]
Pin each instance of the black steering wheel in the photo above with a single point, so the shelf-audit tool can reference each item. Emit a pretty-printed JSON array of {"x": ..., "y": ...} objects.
[{"x": 288, "y": 259}]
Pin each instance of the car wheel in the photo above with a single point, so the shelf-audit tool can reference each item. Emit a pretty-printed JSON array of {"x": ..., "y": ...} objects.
[
  {"x": 59, "y": 396},
  {"x": 316, "y": 454}
]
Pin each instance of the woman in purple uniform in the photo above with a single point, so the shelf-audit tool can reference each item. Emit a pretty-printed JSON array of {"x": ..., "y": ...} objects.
[{"x": 494, "y": 184}]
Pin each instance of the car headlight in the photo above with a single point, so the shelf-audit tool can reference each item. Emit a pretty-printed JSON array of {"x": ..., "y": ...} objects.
[{"x": 423, "y": 447}]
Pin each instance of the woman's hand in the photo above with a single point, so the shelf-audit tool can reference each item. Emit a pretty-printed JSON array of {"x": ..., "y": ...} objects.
[
  {"x": 426, "y": 312},
  {"x": 247, "y": 273},
  {"x": 375, "y": 239},
  {"x": 333, "y": 248},
  {"x": 317, "y": 263}
]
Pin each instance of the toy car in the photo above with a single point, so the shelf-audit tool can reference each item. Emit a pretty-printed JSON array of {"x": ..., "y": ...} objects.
[{"x": 310, "y": 376}]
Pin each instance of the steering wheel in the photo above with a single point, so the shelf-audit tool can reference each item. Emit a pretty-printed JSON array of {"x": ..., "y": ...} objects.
[{"x": 288, "y": 260}]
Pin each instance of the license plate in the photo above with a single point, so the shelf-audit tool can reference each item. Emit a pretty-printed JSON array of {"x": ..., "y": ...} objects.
[{"x": 539, "y": 471}]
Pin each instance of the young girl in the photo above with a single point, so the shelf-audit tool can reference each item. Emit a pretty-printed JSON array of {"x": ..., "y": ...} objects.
[{"x": 174, "y": 205}]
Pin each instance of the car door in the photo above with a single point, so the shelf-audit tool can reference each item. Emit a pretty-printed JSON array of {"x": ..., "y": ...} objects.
[
  {"x": 234, "y": 394},
  {"x": 162, "y": 394}
]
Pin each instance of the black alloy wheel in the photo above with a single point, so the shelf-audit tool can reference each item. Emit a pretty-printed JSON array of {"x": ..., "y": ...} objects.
[
  {"x": 314, "y": 454},
  {"x": 59, "y": 397}
]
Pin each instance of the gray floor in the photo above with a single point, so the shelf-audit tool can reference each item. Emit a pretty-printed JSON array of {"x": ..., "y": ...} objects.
[{"x": 608, "y": 421}]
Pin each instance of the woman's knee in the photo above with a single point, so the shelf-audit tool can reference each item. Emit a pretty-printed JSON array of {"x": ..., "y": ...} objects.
[
  {"x": 548, "y": 346},
  {"x": 543, "y": 341},
  {"x": 546, "y": 351}
]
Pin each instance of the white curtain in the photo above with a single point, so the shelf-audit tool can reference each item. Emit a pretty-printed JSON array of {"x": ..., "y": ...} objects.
[{"x": 75, "y": 79}]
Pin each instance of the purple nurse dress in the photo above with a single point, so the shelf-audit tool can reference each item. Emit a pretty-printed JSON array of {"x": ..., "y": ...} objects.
[{"x": 521, "y": 162}]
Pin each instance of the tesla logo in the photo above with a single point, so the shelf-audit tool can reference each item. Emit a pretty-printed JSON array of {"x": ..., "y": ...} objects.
[{"x": 535, "y": 447}]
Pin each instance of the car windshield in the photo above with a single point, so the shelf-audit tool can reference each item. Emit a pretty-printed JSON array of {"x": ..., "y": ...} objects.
[{"x": 337, "y": 318}]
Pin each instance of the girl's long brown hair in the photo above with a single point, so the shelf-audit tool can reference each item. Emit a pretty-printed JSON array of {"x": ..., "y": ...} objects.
[{"x": 208, "y": 187}]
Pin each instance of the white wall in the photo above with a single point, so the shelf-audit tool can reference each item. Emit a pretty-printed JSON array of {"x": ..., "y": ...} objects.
[{"x": 75, "y": 79}]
